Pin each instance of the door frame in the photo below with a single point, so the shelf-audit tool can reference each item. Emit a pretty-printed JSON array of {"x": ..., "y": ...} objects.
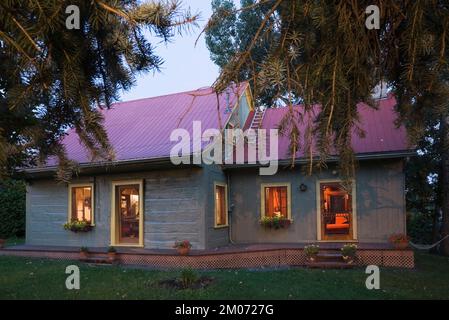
[
  {"x": 353, "y": 204},
  {"x": 115, "y": 184}
]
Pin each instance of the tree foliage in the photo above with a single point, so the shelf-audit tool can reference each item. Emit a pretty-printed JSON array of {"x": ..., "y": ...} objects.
[
  {"x": 231, "y": 30},
  {"x": 322, "y": 52},
  {"x": 12, "y": 209},
  {"x": 424, "y": 185},
  {"x": 52, "y": 78}
]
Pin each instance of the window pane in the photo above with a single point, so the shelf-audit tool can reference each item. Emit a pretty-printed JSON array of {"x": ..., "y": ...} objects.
[
  {"x": 82, "y": 204},
  {"x": 336, "y": 209},
  {"x": 128, "y": 207},
  {"x": 276, "y": 202},
  {"x": 220, "y": 205}
]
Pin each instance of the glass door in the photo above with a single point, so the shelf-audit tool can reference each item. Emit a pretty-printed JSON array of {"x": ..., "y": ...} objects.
[
  {"x": 128, "y": 214},
  {"x": 336, "y": 212}
]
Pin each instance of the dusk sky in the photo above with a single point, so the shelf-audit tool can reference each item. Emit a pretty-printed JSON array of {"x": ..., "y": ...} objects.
[{"x": 185, "y": 67}]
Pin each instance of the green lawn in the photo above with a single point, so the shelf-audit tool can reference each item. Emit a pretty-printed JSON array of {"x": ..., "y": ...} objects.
[{"x": 26, "y": 278}]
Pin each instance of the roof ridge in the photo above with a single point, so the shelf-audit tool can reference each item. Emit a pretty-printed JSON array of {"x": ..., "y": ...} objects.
[
  {"x": 238, "y": 85},
  {"x": 164, "y": 95}
]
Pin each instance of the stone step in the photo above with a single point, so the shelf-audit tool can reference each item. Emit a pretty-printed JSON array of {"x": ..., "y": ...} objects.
[
  {"x": 330, "y": 256},
  {"x": 97, "y": 260},
  {"x": 329, "y": 265}
]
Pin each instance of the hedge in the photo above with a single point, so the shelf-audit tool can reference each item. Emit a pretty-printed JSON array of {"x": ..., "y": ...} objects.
[{"x": 12, "y": 208}]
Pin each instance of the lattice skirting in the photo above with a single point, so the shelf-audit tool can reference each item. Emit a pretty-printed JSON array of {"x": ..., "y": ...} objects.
[{"x": 243, "y": 259}]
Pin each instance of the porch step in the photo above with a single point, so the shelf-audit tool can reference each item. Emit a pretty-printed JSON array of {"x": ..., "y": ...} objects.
[
  {"x": 336, "y": 257},
  {"x": 329, "y": 265},
  {"x": 97, "y": 260}
]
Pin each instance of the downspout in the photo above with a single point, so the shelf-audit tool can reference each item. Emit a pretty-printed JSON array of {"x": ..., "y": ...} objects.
[{"x": 230, "y": 209}]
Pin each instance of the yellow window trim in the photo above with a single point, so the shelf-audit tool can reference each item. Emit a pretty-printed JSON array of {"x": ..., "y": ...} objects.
[
  {"x": 251, "y": 106},
  {"x": 278, "y": 184},
  {"x": 141, "y": 209},
  {"x": 216, "y": 208},
  {"x": 249, "y": 98},
  {"x": 81, "y": 185},
  {"x": 354, "y": 208}
]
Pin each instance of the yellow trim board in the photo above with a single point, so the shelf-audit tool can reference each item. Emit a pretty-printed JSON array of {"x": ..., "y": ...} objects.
[
  {"x": 141, "y": 210},
  {"x": 249, "y": 97},
  {"x": 237, "y": 103},
  {"x": 92, "y": 205}
]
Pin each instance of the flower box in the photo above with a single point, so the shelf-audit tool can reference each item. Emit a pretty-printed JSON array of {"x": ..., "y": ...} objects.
[
  {"x": 78, "y": 226},
  {"x": 275, "y": 222}
]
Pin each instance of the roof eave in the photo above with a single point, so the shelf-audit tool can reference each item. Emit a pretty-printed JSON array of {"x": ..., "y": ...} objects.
[
  {"x": 331, "y": 159},
  {"x": 106, "y": 167}
]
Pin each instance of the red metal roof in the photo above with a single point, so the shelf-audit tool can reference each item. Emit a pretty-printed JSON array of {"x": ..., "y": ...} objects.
[
  {"x": 381, "y": 133},
  {"x": 141, "y": 129}
]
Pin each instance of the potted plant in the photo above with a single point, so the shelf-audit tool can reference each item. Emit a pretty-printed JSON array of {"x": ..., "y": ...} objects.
[
  {"x": 349, "y": 252},
  {"x": 84, "y": 253},
  {"x": 112, "y": 253},
  {"x": 276, "y": 222},
  {"x": 183, "y": 247},
  {"x": 399, "y": 241},
  {"x": 78, "y": 226},
  {"x": 311, "y": 252}
]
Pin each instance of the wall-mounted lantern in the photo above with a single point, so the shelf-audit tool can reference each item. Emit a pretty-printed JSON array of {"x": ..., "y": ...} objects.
[{"x": 303, "y": 187}]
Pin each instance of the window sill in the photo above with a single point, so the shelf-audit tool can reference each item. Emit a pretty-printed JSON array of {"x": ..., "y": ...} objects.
[
  {"x": 221, "y": 227},
  {"x": 90, "y": 225},
  {"x": 289, "y": 219},
  {"x": 124, "y": 245},
  {"x": 280, "y": 224}
]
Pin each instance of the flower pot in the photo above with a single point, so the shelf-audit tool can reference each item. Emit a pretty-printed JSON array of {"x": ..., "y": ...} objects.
[
  {"x": 83, "y": 255},
  {"x": 112, "y": 256},
  {"x": 2, "y": 243},
  {"x": 401, "y": 245},
  {"x": 348, "y": 259},
  {"x": 183, "y": 251},
  {"x": 312, "y": 258}
]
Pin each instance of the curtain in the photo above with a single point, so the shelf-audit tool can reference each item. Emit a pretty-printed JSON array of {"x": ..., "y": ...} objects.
[{"x": 276, "y": 201}]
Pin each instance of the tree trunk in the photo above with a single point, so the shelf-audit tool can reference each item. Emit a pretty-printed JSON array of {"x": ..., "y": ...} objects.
[{"x": 445, "y": 182}]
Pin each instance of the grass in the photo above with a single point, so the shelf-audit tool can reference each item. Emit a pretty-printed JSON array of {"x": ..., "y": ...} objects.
[{"x": 27, "y": 278}]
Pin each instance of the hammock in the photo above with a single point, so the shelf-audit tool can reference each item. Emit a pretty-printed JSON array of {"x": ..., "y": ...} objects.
[{"x": 427, "y": 246}]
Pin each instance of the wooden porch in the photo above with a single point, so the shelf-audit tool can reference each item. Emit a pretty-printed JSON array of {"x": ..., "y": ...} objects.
[{"x": 229, "y": 257}]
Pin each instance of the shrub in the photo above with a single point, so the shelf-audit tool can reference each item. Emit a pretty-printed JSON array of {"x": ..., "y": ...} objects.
[
  {"x": 78, "y": 226},
  {"x": 182, "y": 244},
  {"x": 275, "y": 222},
  {"x": 12, "y": 209},
  {"x": 188, "y": 278},
  {"x": 398, "y": 238},
  {"x": 111, "y": 249},
  {"x": 349, "y": 250},
  {"x": 84, "y": 249},
  {"x": 311, "y": 250},
  {"x": 420, "y": 227}
]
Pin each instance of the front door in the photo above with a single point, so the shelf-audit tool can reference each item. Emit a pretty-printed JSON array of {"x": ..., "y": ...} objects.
[
  {"x": 336, "y": 212},
  {"x": 127, "y": 221}
]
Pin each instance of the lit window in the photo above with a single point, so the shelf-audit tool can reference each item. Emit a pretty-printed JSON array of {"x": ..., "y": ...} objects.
[
  {"x": 81, "y": 203},
  {"x": 276, "y": 201},
  {"x": 221, "y": 206},
  {"x": 336, "y": 209}
]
